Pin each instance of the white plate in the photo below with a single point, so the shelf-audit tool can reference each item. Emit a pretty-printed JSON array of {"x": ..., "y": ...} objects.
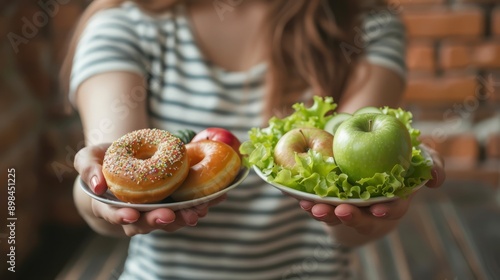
[
  {"x": 335, "y": 200},
  {"x": 110, "y": 199}
]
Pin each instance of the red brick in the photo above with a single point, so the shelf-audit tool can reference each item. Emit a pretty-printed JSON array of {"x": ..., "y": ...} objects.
[
  {"x": 459, "y": 149},
  {"x": 483, "y": 54},
  {"x": 487, "y": 54},
  {"x": 443, "y": 22},
  {"x": 455, "y": 55},
  {"x": 446, "y": 89},
  {"x": 420, "y": 56}
]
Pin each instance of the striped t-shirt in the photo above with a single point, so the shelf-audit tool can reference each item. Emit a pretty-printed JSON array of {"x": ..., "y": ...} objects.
[{"x": 257, "y": 233}]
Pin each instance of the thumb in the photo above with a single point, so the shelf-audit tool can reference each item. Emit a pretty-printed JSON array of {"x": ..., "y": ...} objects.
[{"x": 88, "y": 163}]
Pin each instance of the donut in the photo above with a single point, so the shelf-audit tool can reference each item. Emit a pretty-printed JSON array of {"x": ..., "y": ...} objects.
[
  {"x": 145, "y": 166},
  {"x": 213, "y": 166}
]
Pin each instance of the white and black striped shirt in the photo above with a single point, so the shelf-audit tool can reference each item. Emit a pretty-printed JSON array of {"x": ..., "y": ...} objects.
[{"x": 257, "y": 233}]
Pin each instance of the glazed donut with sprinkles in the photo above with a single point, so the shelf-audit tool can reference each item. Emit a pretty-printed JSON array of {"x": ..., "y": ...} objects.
[{"x": 149, "y": 165}]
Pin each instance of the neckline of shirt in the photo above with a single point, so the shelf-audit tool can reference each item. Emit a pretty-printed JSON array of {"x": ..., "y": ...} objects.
[{"x": 178, "y": 11}]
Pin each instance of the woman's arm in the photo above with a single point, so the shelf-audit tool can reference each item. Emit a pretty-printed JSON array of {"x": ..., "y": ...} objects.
[
  {"x": 371, "y": 85},
  {"x": 110, "y": 105}
]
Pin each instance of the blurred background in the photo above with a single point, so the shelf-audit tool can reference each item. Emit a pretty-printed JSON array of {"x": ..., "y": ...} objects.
[{"x": 453, "y": 91}]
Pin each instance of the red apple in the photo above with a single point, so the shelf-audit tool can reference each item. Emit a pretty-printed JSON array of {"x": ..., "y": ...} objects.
[
  {"x": 221, "y": 135},
  {"x": 300, "y": 140}
]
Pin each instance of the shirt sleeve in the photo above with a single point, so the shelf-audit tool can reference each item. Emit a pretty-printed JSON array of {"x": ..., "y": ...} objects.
[
  {"x": 385, "y": 41},
  {"x": 108, "y": 43}
]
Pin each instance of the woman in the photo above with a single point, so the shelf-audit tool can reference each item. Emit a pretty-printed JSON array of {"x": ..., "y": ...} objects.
[{"x": 232, "y": 64}]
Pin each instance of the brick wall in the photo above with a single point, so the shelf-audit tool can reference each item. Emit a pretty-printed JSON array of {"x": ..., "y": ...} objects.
[{"x": 453, "y": 58}]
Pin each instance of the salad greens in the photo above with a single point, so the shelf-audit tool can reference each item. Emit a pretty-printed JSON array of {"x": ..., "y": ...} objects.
[{"x": 320, "y": 175}]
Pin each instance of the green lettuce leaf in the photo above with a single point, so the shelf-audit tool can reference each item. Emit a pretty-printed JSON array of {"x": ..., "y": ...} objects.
[{"x": 317, "y": 174}]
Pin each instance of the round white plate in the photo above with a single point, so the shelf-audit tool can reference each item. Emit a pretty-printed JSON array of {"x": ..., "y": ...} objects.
[
  {"x": 110, "y": 199},
  {"x": 327, "y": 199},
  {"x": 335, "y": 200}
]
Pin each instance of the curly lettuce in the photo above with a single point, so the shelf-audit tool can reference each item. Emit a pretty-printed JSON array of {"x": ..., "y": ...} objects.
[{"x": 317, "y": 174}]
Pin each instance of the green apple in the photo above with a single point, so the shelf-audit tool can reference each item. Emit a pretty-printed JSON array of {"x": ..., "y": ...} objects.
[
  {"x": 334, "y": 123},
  {"x": 366, "y": 110},
  {"x": 371, "y": 143},
  {"x": 299, "y": 141}
]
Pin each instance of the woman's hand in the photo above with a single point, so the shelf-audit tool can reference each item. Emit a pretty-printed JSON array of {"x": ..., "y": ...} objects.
[
  {"x": 134, "y": 222},
  {"x": 376, "y": 220},
  {"x": 88, "y": 163},
  {"x": 365, "y": 220}
]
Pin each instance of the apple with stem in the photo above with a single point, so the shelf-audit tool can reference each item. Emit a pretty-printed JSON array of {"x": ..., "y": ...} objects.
[
  {"x": 300, "y": 140},
  {"x": 221, "y": 135},
  {"x": 371, "y": 143}
]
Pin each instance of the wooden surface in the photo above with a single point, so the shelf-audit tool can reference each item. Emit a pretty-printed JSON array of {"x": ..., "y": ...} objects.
[{"x": 449, "y": 233}]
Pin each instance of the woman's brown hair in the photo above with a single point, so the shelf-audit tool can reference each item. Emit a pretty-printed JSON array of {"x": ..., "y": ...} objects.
[
  {"x": 304, "y": 46},
  {"x": 305, "y": 49}
]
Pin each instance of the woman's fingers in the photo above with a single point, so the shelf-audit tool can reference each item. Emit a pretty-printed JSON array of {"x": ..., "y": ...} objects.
[
  {"x": 115, "y": 216},
  {"x": 362, "y": 219},
  {"x": 134, "y": 222},
  {"x": 354, "y": 217},
  {"x": 438, "y": 172},
  {"x": 88, "y": 163},
  {"x": 159, "y": 217},
  {"x": 438, "y": 177},
  {"x": 321, "y": 212},
  {"x": 393, "y": 210},
  {"x": 325, "y": 213}
]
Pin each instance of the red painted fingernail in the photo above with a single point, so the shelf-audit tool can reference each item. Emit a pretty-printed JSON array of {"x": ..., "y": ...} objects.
[
  {"x": 305, "y": 207},
  {"x": 94, "y": 182},
  {"x": 127, "y": 221},
  {"x": 320, "y": 216},
  {"x": 435, "y": 175},
  {"x": 162, "y": 222},
  {"x": 379, "y": 214}
]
